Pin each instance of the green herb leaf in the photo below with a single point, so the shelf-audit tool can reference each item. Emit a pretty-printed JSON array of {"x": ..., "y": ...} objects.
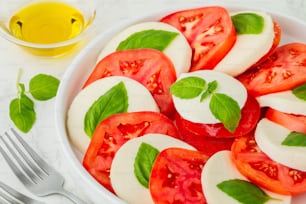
[
  {"x": 144, "y": 162},
  {"x": 248, "y": 23},
  {"x": 225, "y": 109},
  {"x": 43, "y": 87},
  {"x": 297, "y": 139},
  {"x": 187, "y": 88},
  {"x": 113, "y": 101},
  {"x": 156, "y": 39},
  {"x": 211, "y": 87},
  {"x": 243, "y": 191},
  {"x": 22, "y": 112},
  {"x": 300, "y": 92}
]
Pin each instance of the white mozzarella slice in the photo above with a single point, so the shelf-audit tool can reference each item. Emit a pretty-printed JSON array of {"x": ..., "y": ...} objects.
[
  {"x": 270, "y": 135},
  {"x": 179, "y": 51},
  {"x": 122, "y": 175},
  {"x": 248, "y": 48},
  {"x": 137, "y": 93},
  {"x": 199, "y": 112},
  {"x": 284, "y": 101},
  {"x": 220, "y": 168}
]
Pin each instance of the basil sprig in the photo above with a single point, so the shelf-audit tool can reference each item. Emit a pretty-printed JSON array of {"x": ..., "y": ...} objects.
[
  {"x": 155, "y": 39},
  {"x": 143, "y": 163},
  {"x": 245, "y": 192},
  {"x": 300, "y": 92},
  {"x": 296, "y": 139},
  {"x": 115, "y": 100},
  {"x": 222, "y": 106},
  {"x": 22, "y": 108},
  {"x": 248, "y": 23}
]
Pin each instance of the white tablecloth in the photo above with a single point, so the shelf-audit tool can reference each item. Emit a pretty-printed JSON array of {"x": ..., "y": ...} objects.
[{"x": 43, "y": 136}]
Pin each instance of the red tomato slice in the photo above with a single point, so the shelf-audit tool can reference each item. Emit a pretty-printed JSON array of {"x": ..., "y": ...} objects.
[
  {"x": 150, "y": 67},
  {"x": 209, "y": 31},
  {"x": 290, "y": 121},
  {"x": 113, "y": 132},
  {"x": 276, "y": 41},
  {"x": 207, "y": 145},
  {"x": 250, "y": 114},
  {"x": 176, "y": 177},
  {"x": 263, "y": 171},
  {"x": 283, "y": 70}
]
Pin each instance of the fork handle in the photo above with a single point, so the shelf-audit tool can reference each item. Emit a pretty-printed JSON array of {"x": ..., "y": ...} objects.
[{"x": 75, "y": 199}]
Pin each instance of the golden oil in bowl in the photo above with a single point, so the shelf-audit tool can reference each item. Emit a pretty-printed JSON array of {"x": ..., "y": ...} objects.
[{"x": 47, "y": 24}]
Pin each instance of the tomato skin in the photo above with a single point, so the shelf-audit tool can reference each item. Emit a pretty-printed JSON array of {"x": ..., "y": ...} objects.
[
  {"x": 209, "y": 31},
  {"x": 176, "y": 177},
  {"x": 113, "y": 132},
  {"x": 261, "y": 170},
  {"x": 283, "y": 70},
  {"x": 292, "y": 122},
  {"x": 250, "y": 114},
  {"x": 150, "y": 67}
]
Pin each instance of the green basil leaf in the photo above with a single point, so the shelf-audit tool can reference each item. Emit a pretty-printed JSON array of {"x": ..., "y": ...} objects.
[
  {"x": 43, "y": 87},
  {"x": 22, "y": 113},
  {"x": 156, "y": 39},
  {"x": 300, "y": 92},
  {"x": 143, "y": 163},
  {"x": 296, "y": 139},
  {"x": 211, "y": 87},
  {"x": 248, "y": 23},
  {"x": 243, "y": 191},
  {"x": 225, "y": 109},
  {"x": 115, "y": 100},
  {"x": 187, "y": 88}
]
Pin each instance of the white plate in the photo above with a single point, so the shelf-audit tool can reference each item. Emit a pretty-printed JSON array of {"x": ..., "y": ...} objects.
[{"x": 80, "y": 68}]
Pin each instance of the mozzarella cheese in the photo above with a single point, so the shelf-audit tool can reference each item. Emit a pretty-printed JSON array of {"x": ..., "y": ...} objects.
[
  {"x": 122, "y": 175},
  {"x": 199, "y": 112},
  {"x": 137, "y": 93},
  {"x": 270, "y": 135},
  {"x": 284, "y": 101},
  {"x": 178, "y": 51},
  {"x": 220, "y": 168},
  {"x": 248, "y": 48}
]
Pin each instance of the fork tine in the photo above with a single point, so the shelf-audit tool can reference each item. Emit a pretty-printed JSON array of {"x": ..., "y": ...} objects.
[
  {"x": 14, "y": 167},
  {"x": 39, "y": 172},
  {"x": 7, "y": 198},
  {"x": 43, "y": 165},
  {"x": 25, "y": 168}
]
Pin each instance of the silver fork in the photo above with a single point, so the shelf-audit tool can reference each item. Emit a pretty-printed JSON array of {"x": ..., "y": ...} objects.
[
  {"x": 40, "y": 178},
  {"x": 11, "y": 196}
]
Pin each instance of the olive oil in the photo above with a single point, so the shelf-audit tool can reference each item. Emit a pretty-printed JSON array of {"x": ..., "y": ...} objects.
[{"x": 47, "y": 22}]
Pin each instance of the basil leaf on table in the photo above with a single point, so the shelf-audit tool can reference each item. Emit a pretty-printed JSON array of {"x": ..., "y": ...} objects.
[
  {"x": 143, "y": 163},
  {"x": 296, "y": 139},
  {"x": 22, "y": 113},
  {"x": 115, "y": 100},
  {"x": 156, "y": 39},
  {"x": 43, "y": 87},
  {"x": 243, "y": 191},
  {"x": 225, "y": 109},
  {"x": 189, "y": 87}
]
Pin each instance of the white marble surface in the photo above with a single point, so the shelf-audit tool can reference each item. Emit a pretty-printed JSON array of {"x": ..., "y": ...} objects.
[{"x": 43, "y": 136}]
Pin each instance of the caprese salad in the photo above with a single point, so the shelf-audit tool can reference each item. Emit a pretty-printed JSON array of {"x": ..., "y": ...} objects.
[{"x": 202, "y": 106}]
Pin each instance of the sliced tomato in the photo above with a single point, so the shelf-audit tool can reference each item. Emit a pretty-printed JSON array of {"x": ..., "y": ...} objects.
[
  {"x": 176, "y": 177},
  {"x": 250, "y": 114},
  {"x": 113, "y": 132},
  {"x": 283, "y": 70},
  {"x": 150, "y": 67},
  {"x": 290, "y": 121},
  {"x": 276, "y": 41},
  {"x": 209, "y": 31},
  {"x": 263, "y": 171}
]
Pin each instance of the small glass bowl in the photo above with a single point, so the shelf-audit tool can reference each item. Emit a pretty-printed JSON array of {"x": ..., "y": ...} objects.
[{"x": 54, "y": 49}]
